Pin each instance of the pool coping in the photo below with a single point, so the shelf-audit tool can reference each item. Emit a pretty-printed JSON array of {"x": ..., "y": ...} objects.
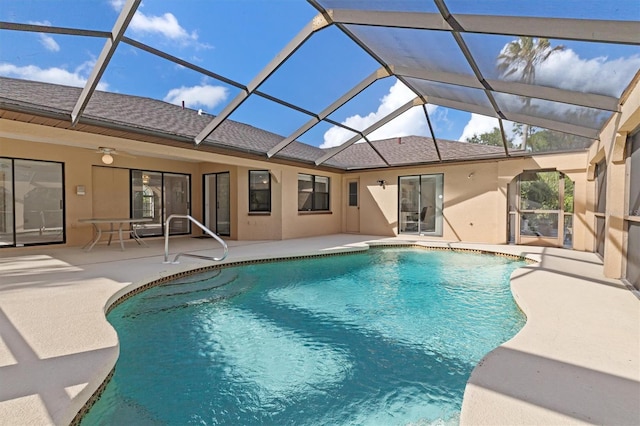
[{"x": 485, "y": 402}]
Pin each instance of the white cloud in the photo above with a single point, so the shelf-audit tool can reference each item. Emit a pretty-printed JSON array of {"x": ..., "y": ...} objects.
[
  {"x": 166, "y": 25},
  {"x": 49, "y": 43},
  {"x": 477, "y": 125},
  {"x": 117, "y": 4},
  {"x": 50, "y": 75},
  {"x": 567, "y": 70},
  {"x": 204, "y": 95},
  {"x": 410, "y": 123},
  {"x": 46, "y": 40}
]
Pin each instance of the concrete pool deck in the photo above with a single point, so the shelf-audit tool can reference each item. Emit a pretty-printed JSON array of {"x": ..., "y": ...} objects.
[{"x": 577, "y": 360}]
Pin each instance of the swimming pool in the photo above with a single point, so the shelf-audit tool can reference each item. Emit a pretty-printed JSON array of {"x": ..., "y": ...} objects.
[{"x": 389, "y": 336}]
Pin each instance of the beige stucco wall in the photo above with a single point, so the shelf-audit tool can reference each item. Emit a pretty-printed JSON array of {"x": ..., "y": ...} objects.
[
  {"x": 475, "y": 193},
  {"x": 611, "y": 147},
  {"x": 475, "y": 196},
  {"x": 475, "y": 204},
  {"x": 77, "y": 151}
]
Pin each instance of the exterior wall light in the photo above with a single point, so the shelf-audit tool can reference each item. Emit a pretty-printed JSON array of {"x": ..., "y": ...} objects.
[{"x": 107, "y": 158}]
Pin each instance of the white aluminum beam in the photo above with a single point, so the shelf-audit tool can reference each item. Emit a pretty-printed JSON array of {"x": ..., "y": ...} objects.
[
  {"x": 53, "y": 30},
  {"x": 605, "y": 31},
  {"x": 108, "y": 50},
  {"x": 334, "y": 151},
  {"x": 368, "y": 81},
  {"x": 317, "y": 23}
]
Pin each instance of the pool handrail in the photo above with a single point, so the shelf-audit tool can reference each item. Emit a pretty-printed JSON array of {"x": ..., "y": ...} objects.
[{"x": 201, "y": 226}]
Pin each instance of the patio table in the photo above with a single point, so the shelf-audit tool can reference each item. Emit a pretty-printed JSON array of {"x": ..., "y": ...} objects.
[{"x": 98, "y": 231}]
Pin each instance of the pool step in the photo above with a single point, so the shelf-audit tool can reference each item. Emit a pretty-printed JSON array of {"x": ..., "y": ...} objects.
[
  {"x": 199, "y": 285},
  {"x": 224, "y": 287}
]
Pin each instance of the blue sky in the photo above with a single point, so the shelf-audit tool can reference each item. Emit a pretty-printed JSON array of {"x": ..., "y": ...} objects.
[{"x": 237, "y": 38}]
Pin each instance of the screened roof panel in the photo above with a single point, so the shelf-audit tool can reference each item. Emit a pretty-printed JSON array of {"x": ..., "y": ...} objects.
[
  {"x": 313, "y": 77},
  {"x": 79, "y": 13},
  {"x": 282, "y": 66},
  {"x": 539, "y": 140},
  {"x": 585, "y": 67},
  {"x": 386, "y": 5},
  {"x": 448, "y": 91},
  {"x": 130, "y": 67},
  {"x": 250, "y": 113},
  {"x": 407, "y": 150},
  {"x": 357, "y": 112},
  {"x": 563, "y": 113},
  {"x": 217, "y": 31},
  {"x": 325, "y": 135},
  {"x": 621, "y": 10},
  {"x": 359, "y": 155},
  {"x": 415, "y": 49},
  {"x": 73, "y": 56}
]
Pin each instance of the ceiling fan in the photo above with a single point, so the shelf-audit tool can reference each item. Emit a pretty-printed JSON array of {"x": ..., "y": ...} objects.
[{"x": 108, "y": 153}]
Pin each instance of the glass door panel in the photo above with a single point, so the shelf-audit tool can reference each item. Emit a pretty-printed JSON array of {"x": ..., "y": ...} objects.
[
  {"x": 6, "y": 202},
  {"x": 38, "y": 208},
  {"x": 176, "y": 196},
  {"x": 409, "y": 203},
  {"x": 223, "y": 204},
  {"x": 217, "y": 212},
  {"x": 430, "y": 204},
  {"x": 209, "y": 186},
  {"x": 146, "y": 199}
]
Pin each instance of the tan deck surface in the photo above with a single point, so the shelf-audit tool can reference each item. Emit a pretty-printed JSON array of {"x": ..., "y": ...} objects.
[{"x": 577, "y": 360}]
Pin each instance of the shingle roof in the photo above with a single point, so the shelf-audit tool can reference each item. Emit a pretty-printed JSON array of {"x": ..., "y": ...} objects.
[
  {"x": 137, "y": 113},
  {"x": 412, "y": 150}
]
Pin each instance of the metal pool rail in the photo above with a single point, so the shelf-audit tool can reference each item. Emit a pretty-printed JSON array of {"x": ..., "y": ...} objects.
[{"x": 204, "y": 228}]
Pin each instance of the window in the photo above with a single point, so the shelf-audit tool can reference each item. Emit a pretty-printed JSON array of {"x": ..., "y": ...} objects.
[
  {"x": 313, "y": 193},
  {"x": 259, "y": 191},
  {"x": 353, "y": 194},
  {"x": 420, "y": 204},
  {"x": 31, "y": 202}
]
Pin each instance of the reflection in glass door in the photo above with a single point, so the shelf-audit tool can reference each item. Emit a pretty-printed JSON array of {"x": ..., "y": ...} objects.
[
  {"x": 217, "y": 210},
  {"x": 176, "y": 196},
  {"x": 156, "y": 196},
  {"x": 420, "y": 204},
  {"x": 31, "y": 202}
]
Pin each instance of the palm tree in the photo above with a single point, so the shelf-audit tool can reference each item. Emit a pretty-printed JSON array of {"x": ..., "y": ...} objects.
[{"x": 522, "y": 56}]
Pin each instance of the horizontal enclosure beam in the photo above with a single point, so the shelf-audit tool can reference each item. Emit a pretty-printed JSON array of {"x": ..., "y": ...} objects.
[{"x": 603, "y": 31}]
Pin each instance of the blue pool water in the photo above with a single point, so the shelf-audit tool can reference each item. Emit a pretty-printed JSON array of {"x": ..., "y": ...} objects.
[{"x": 385, "y": 337}]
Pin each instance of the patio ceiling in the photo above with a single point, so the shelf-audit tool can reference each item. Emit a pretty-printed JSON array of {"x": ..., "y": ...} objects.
[{"x": 448, "y": 59}]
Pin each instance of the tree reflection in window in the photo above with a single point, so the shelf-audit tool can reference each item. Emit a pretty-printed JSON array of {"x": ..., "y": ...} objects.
[{"x": 148, "y": 203}]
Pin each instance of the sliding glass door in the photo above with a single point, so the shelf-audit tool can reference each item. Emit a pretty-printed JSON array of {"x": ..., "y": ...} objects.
[
  {"x": 217, "y": 203},
  {"x": 420, "y": 204},
  {"x": 31, "y": 202},
  {"x": 156, "y": 196}
]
